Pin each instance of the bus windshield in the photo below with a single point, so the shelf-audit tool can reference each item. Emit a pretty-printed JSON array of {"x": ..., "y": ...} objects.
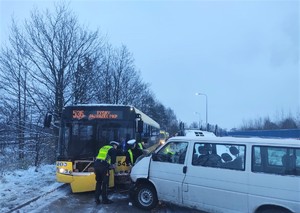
[{"x": 83, "y": 140}]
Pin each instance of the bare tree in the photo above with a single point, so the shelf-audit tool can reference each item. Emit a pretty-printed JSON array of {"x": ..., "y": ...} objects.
[
  {"x": 56, "y": 45},
  {"x": 172, "y": 124},
  {"x": 268, "y": 124},
  {"x": 103, "y": 92},
  {"x": 83, "y": 82},
  {"x": 118, "y": 80},
  {"x": 285, "y": 123},
  {"x": 288, "y": 123},
  {"x": 13, "y": 75},
  {"x": 39, "y": 66}
]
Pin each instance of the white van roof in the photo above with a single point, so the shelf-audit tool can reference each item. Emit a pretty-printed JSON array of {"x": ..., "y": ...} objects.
[
  {"x": 238, "y": 140},
  {"x": 197, "y": 133}
]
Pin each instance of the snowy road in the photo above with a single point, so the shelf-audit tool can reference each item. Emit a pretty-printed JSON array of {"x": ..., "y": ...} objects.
[
  {"x": 63, "y": 201},
  {"x": 28, "y": 191}
]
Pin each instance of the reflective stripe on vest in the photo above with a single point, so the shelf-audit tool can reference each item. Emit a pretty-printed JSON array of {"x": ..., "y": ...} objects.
[
  {"x": 140, "y": 145},
  {"x": 169, "y": 151},
  {"x": 102, "y": 155},
  {"x": 131, "y": 156}
]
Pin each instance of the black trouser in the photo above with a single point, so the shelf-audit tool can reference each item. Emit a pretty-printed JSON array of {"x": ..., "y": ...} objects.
[{"x": 102, "y": 178}]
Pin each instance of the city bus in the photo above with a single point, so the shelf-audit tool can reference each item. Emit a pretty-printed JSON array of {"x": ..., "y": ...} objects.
[{"x": 84, "y": 129}]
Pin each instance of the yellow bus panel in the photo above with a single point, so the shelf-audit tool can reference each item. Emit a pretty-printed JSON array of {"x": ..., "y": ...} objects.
[
  {"x": 79, "y": 181},
  {"x": 83, "y": 183}
]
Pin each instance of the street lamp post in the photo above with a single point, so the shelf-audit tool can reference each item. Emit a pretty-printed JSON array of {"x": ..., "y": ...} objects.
[{"x": 198, "y": 93}]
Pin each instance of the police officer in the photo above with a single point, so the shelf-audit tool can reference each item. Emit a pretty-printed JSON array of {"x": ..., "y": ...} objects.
[
  {"x": 141, "y": 145},
  {"x": 133, "y": 152},
  {"x": 105, "y": 160},
  {"x": 170, "y": 152}
]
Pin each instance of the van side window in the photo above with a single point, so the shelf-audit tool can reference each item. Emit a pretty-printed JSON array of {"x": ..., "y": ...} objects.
[
  {"x": 173, "y": 152},
  {"x": 227, "y": 156},
  {"x": 276, "y": 160}
]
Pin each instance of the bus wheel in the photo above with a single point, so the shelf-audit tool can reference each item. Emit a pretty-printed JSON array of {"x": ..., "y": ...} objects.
[{"x": 146, "y": 197}]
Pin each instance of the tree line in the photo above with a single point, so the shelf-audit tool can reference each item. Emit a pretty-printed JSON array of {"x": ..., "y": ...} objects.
[
  {"x": 286, "y": 122},
  {"x": 52, "y": 61}
]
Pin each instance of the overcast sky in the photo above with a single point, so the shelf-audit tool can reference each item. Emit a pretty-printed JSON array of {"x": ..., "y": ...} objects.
[{"x": 244, "y": 55}]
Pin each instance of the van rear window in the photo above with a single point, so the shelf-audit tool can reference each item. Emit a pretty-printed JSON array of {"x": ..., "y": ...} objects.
[{"x": 276, "y": 160}]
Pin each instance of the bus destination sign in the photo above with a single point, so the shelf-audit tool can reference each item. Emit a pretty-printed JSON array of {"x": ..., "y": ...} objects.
[{"x": 101, "y": 114}]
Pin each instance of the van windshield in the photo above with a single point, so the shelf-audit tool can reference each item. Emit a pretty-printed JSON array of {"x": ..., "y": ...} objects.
[{"x": 147, "y": 152}]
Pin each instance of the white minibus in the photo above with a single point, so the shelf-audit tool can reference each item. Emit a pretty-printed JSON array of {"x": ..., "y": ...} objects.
[{"x": 221, "y": 174}]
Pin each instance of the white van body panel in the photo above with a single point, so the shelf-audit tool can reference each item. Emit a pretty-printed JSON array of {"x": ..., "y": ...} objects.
[
  {"x": 262, "y": 190},
  {"x": 168, "y": 179},
  {"x": 140, "y": 169},
  {"x": 217, "y": 189}
]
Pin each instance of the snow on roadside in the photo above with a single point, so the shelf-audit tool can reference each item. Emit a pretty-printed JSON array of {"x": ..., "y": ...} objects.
[{"x": 20, "y": 186}]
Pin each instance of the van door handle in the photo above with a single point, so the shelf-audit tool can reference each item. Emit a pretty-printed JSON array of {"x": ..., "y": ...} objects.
[{"x": 184, "y": 169}]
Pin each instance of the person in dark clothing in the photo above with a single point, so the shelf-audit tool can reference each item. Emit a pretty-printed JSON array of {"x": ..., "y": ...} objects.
[
  {"x": 133, "y": 153},
  {"x": 105, "y": 160},
  {"x": 207, "y": 158}
]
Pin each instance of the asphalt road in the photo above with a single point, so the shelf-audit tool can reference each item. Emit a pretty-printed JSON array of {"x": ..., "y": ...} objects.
[{"x": 66, "y": 202}]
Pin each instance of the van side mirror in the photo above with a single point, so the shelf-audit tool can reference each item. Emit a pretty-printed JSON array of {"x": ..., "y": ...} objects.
[{"x": 155, "y": 157}]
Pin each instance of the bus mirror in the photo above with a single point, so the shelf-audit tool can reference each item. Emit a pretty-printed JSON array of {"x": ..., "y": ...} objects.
[
  {"x": 140, "y": 126},
  {"x": 47, "y": 120}
]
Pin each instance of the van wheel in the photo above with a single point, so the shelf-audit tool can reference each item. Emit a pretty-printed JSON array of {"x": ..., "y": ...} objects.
[
  {"x": 275, "y": 210},
  {"x": 146, "y": 197}
]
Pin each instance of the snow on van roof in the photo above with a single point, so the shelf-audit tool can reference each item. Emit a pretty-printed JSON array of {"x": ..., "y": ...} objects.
[
  {"x": 94, "y": 104},
  {"x": 238, "y": 140},
  {"x": 196, "y": 133}
]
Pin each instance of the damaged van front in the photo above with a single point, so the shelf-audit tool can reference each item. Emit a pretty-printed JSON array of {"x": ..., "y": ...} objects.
[
  {"x": 160, "y": 175},
  {"x": 143, "y": 191}
]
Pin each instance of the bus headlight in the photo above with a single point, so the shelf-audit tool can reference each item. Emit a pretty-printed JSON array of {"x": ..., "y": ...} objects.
[
  {"x": 64, "y": 171},
  {"x": 162, "y": 142}
]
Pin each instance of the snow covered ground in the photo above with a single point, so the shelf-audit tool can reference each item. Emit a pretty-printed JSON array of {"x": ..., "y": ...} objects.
[{"x": 20, "y": 186}]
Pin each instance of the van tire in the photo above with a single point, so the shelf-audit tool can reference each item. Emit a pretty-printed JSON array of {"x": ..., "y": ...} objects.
[
  {"x": 275, "y": 210},
  {"x": 146, "y": 197}
]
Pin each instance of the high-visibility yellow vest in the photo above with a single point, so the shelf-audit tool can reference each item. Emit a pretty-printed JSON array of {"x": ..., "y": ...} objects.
[
  {"x": 102, "y": 155},
  {"x": 131, "y": 156},
  {"x": 140, "y": 146},
  {"x": 169, "y": 151}
]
